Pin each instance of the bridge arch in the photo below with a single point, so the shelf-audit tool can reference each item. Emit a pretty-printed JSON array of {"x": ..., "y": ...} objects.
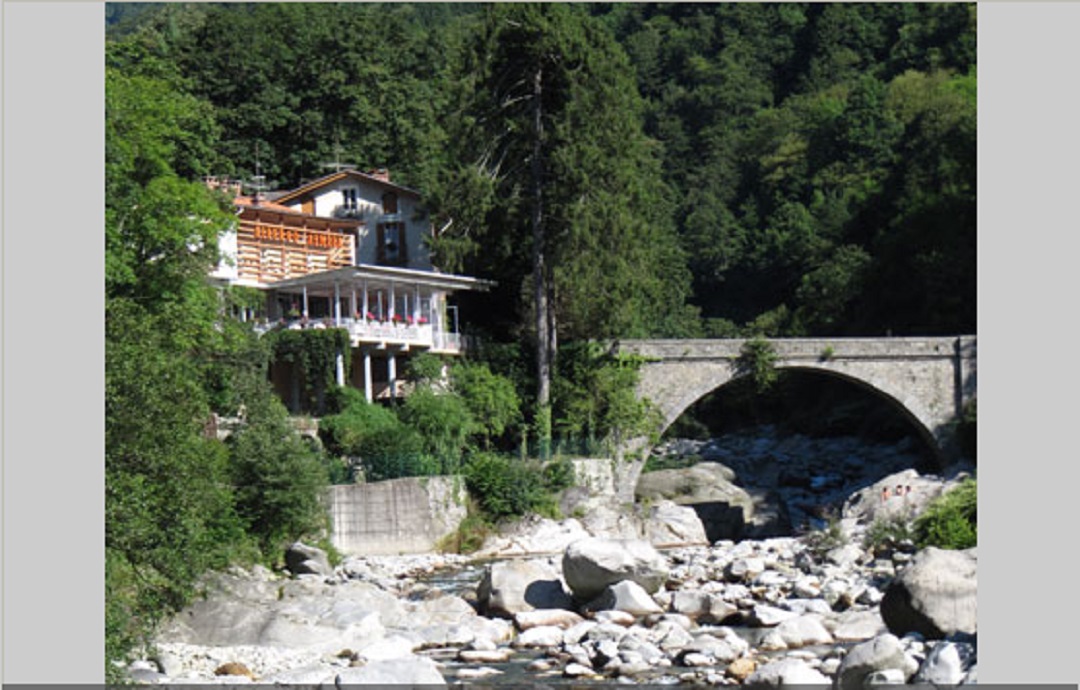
[
  {"x": 916, "y": 425},
  {"x": 928, "y": 379}
]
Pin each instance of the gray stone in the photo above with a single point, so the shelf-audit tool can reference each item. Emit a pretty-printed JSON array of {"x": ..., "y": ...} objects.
[
  {"x": 744, "y": 569},
  {"x": 803, "y": 631},
  {"x": 667, "y": 524},
  {"x": 576, "y": 670},
  {"x": 624, "y": 596},
  {"x": 414, "y": 670},
  {"x": 768, "y": 616},
  {"x": 879, "y": 654},
  {"x": 786, "y": 671},
  {"x": 545, "y": 636},
  {"x": 890, "y": 676},
  {"x": 302, "y": 559},
  {"x": 590, "y": 565},
  {"x": 559, "y": 618},
  {"x": 942, "y": 666},
  {"x": 852, "y": 626},
  {"x": 514, "y": 586},
  {"x": 935, "y": 595}
]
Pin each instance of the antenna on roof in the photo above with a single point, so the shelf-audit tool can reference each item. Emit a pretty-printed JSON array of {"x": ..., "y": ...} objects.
[
  {"x": 258, "y": 181},
  {"x": 337, "y": 165}
]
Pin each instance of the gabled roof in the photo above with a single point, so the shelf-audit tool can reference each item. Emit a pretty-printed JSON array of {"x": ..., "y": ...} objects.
[
  {"x": 314, "y": 185},
  {"x": 246, "y": 203}
]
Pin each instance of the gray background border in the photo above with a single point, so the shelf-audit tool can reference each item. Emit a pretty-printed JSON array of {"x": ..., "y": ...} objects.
[{"x": 52, "y": 368}]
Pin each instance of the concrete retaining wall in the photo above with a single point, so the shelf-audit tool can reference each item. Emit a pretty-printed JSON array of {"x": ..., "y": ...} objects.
[{"x": 396, "y": 516}]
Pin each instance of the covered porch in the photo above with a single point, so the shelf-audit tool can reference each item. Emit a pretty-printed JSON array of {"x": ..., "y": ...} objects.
[{"x": 390, "y": 313}]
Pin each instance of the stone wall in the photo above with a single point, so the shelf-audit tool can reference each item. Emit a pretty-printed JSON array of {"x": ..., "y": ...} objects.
[{"x": 397, "y": 516}]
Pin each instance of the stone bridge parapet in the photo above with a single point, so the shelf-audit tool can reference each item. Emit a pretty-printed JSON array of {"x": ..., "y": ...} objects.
[{"x": 929, "y": 379}]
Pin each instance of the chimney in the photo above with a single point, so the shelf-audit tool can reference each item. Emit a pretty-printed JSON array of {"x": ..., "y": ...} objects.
[{"x": 380, "y": 174}]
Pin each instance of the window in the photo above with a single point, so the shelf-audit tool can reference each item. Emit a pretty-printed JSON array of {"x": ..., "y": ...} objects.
[
  {"x": 351, "y": 199},
  {"x": 392, "y": 249},
  {"x": 389, "y": 203}
]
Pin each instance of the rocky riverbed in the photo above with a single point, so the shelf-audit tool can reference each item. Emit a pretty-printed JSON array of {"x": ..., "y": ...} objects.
[{"x": 593, "y": 600}]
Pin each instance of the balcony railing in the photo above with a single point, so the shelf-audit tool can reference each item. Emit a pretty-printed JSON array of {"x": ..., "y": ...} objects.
[{"x": 362, "y": 331}]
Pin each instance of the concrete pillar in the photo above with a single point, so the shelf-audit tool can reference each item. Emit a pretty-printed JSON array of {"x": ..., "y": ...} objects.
[
  {"x": 391, "y": 373},
  {"x": 368, "y": 389},
  {"x": 337, "y": 307}
]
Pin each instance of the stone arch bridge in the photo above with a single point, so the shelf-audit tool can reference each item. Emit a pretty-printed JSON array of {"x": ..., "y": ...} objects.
[{"x": 929, "y": 379}]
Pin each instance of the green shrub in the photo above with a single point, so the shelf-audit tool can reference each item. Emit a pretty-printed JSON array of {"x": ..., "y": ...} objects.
[
  {"x": 397, "y": 451},
  {"x": 444, "y": 424},
  {"x": 886, "y": 533},
  {"x": 951, "y": 520},
  {"x": 492, "y": 400},
  {"x": 353, "y": 430},
  {"x": 829, "y": 537},
  {"x": 559, "y": 474},
  {"x": 757, "y": 359},
  {"x": 279, "y": 477},
  {"x": 468, "y": 537},
  {"x": 504, "y": 486}
]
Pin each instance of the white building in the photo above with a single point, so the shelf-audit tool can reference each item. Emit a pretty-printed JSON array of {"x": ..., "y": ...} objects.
[{"x": 347, "y": 251}]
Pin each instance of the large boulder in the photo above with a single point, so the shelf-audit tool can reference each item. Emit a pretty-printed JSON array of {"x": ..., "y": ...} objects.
[
  {"x": 935, "y": 595},
  {"x": 510, "y": 587},
  {"x": 667, "y": 524},
  {"x": 590, "y": 565},
  {"x": 882, "y": 653},
  {"x": 873, "y": 503},
  {"x": 302, "y": 559},
  {"x": 785, "y": 672},
  {"x": 624, "y": 596}
]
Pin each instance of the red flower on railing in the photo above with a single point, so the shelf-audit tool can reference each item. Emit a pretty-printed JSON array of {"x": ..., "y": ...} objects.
[
  {"x": 370, "y": 316},
  {"x": 397, "y": 318},
  {"x": 421, "y": 320}
]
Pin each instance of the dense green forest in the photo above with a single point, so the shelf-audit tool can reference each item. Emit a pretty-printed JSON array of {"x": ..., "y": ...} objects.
[{"x": 622, "y": 170}]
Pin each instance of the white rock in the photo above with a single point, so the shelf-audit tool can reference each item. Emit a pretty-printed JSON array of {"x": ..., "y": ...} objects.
[
  {"x": 415, "y": 670},
  {"x": 803, "y": 631},
  {"x": 559, "y": 618},
  {"x": 543, "y": 636},
  {"x": 625, "y": 596},
  {"x": 590, "y": 565},
  {"x": 786, "y": 671}
]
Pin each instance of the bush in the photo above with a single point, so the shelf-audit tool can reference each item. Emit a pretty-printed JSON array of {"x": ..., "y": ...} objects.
[
  {"x": 757, "y": 360},
  {"x": 443, "y": 422},
  {"x": 354, "y": 429},
  {"x": 886, "y": 533},
  {"x": 279, "y": 477},
  {"x": 397, "y": 451},
  {"x": 504, "y": 486},
  {"x": 951, "y": 521},
  {"x": 491, "y": 399}
]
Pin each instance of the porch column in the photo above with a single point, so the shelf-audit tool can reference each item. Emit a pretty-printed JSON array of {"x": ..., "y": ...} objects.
[
  {"x": 339, "y": 366},
  {"x": 367, "y": 375},
  {"x": 337, "y": 308},
  {"x": 305, "y": 302},
  {"x": 390, "y": 314},
  {"x": 416, "y": 305},
  {"x": 352, "y": 303},
  {"x": 391, "y": 373},
  {"x": 367, "y": 306}
]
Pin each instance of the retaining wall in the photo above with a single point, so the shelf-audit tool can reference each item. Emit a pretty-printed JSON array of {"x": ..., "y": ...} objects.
[{"x": 397, "y": 516}]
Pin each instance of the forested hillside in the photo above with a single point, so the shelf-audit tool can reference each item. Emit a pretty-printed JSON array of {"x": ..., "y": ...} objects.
[
  {"x": 625, "y": 170},
  {"x": 786, "y": 169}
]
